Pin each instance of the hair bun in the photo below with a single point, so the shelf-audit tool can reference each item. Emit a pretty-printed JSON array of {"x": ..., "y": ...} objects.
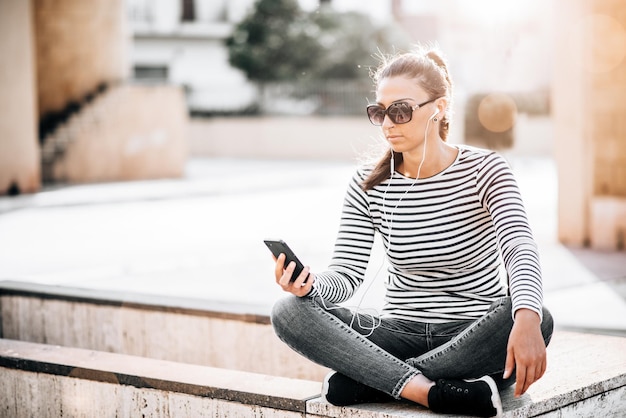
[
  {"x": 438, "y": 59},
  {"x": 435, "y": 56}
]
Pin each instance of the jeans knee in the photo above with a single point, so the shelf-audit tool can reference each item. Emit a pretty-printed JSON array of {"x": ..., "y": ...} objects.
[
  {"x": 279, "y": 310},
  {"x": 284, "y": 313}
]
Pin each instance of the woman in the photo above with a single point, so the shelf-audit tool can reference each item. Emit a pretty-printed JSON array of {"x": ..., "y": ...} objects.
[{"x": 448, "y": 337}]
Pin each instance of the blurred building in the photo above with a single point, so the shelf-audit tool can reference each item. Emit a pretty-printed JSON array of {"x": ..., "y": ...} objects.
[
  {"x": 68, "y": 111},
  {"x": 182, "y": 43}
]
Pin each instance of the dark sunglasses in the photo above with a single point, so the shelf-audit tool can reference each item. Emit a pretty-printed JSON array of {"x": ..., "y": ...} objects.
[{"x": 398, "y": 112}]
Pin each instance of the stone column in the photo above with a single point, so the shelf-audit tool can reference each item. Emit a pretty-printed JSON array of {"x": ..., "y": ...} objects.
[
  {"x": 19, "y": 151},
  {"x": 589, "y": 110}
]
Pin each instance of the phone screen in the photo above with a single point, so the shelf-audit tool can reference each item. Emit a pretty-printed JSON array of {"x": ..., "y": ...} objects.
[{"x": 279, "y": 246}]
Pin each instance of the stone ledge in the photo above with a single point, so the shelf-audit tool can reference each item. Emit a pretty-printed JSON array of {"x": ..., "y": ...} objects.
[
  {"x": 585, "y": 371},
  {"x": 586, "y": 377},
  {"x": 237, "y": 386},
  {"x": 171, "y": 304},
  {"x": 180, "y": 329}
]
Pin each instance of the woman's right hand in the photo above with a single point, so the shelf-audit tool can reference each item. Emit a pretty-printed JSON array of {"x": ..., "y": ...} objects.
[{"x": 283, "y": 277}]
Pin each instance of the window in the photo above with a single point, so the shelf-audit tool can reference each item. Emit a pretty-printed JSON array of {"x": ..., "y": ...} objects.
[
  {"x": 151, "y": 73},
  {"x": 188, "y": 11}
]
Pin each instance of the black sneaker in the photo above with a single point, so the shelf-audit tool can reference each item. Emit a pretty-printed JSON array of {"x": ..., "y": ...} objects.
[
  {"x": 478, "y": 397},
  {"x": 340, "y": 390}
]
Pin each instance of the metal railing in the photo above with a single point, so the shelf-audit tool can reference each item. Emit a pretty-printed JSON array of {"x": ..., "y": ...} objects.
[{"x": 328, "y": 97}]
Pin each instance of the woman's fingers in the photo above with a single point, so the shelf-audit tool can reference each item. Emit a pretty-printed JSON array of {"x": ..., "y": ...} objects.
[
  {"x": 299, "y": 286},
  {"x": 303, "y": 283},
  {"x": 279, "y": 267}
]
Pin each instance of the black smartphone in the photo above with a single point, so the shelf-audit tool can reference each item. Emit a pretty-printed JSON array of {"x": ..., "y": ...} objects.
[{"x": 278, "y": 246}]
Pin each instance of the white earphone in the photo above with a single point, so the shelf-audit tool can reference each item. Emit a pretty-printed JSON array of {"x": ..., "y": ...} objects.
[{"x": 434, "y": 114}]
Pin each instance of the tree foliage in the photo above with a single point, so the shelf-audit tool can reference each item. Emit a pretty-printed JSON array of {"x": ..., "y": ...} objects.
[
  {"x": 278, "y": 41},
  {"x": 349, "y": 42}
]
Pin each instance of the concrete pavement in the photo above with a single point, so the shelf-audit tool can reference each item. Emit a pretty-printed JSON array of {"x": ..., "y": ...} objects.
[{"x": 201, "y": 237}]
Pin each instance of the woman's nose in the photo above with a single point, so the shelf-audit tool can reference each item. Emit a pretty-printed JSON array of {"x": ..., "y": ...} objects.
[{"x": 387, "y": 122}]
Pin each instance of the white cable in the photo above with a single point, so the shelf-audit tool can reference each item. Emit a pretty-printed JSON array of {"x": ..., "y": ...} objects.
[
  {"x": 419, "y": 170},
  {"x": 375, "y": 318}
]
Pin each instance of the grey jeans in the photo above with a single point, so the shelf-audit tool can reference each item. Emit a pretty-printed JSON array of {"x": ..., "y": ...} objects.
[{"x": 395, "y": 351}]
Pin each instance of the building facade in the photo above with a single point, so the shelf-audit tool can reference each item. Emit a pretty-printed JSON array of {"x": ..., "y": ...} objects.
[{"x": 182, "y": 43}]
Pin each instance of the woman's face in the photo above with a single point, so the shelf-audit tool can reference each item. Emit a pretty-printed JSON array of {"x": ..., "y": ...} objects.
[{"x": 405, "y": 137}]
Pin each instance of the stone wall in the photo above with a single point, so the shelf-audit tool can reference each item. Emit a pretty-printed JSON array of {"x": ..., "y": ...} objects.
[
  {"x": 181, "y": 330},
  {"x": 51, "y": 381},
  {"x": 127, "y": 133},
  {"x": 337, "y": 138},
  {"x": 79, "y": 45}
]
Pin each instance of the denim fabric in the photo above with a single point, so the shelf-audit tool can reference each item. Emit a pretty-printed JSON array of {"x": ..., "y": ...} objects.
[{"x": 388, "y": 355}]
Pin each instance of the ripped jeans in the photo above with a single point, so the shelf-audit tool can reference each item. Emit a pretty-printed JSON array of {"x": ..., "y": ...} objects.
[{"x": 390, "y": 355}]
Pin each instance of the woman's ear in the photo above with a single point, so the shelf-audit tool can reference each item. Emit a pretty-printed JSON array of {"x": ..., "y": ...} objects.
[{"x": 442, "y": 104}]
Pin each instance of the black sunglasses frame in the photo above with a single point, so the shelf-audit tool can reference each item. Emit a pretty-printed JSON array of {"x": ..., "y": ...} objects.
[{"x": 392, "y": 116}]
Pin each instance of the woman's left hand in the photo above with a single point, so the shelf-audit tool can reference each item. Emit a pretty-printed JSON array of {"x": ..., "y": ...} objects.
[{"x": 526, "y": 351}]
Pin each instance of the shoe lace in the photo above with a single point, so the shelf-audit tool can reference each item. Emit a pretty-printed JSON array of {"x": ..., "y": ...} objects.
[
  {"x": 463, "y": 397},
  {"x": 452, "y": 389}
]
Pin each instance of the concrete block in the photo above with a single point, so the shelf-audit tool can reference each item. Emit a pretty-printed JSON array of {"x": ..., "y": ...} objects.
[
  {"x": 128, "y": 133},
  {"x": 176, "y": 329},
  {"x": 337, "y": 138},
  {"x": 49, "y": 381},
  {"x": 608, "y": 223},
  {"x": 29, "y": 394},
  {"x": 586, "y": 373}
]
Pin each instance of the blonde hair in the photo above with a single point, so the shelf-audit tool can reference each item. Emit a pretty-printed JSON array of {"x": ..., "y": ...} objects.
[{"x": 428, "y": 67}]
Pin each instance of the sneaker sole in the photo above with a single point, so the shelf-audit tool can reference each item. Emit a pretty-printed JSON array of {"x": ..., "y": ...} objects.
[{"x": 495, "y": 395}]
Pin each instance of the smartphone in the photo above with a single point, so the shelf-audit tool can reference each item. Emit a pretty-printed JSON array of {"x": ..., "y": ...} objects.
[{"x": 278, "y": 246}]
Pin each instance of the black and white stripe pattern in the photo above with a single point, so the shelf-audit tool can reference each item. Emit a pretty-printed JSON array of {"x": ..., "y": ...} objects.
[{"x": 446, "y": 237}]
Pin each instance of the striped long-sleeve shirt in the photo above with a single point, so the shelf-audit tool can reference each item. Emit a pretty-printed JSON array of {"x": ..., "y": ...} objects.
[{"x": 445, "y": 238}]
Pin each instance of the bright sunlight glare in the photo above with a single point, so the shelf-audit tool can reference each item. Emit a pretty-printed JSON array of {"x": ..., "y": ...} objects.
[{"x": 497, "y": 11}]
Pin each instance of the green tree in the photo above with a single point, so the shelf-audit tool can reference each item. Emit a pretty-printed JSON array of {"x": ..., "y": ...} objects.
[
  {"x": 350, "y": 44},
  {"x": 279, "y": 42},
  {"x": 276, "y": 41}
]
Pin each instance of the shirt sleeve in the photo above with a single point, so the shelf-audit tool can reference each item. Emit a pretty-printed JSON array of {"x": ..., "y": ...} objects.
[
  {"x": 499, "y": 194},
  {"x": 352, "y": 250}
]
